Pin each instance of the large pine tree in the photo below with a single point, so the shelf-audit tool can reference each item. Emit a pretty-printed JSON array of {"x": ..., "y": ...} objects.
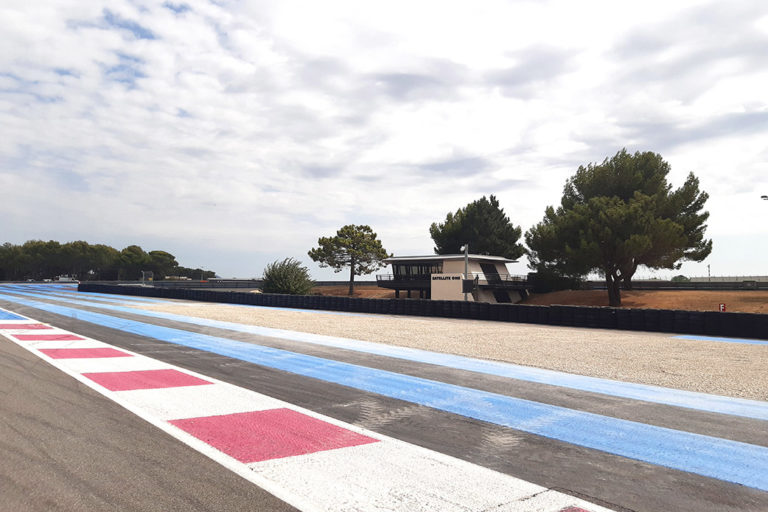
[
  {"x": 618, "y": 215},
  {"x": 483, "y": 225}
]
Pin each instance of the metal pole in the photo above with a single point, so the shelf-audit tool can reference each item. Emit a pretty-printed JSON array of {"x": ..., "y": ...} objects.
[{"x": 466, "y": 268}]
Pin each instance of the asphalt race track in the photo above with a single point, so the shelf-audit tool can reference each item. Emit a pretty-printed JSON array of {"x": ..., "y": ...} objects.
[{"x": 108, "y": 407}]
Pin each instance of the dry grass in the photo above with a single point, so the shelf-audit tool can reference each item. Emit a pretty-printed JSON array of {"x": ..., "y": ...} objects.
[
  {"x": 747, "y": 301},
  {"x": 361, "y": 291}
]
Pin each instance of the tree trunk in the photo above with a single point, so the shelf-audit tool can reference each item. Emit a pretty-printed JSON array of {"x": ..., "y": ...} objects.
[
  {"x": 614, "y": 290},
  {"x": 351, "y": 278},
  {"x": 626, "y": 277}
]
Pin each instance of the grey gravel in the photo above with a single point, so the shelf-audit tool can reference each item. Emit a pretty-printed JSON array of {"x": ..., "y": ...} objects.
[{"x": 731, "y": 369}]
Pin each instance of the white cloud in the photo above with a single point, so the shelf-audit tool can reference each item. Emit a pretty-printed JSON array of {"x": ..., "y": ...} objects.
[{"x": 237, "y": 133}]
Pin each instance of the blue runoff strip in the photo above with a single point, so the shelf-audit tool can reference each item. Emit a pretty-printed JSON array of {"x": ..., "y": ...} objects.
[
  {"x": 721, "y": 340},
  {"x": 124, "y": 298},
  {"x": 69, "y": 290},
  {"x": 120, "y": 298},
  {"x": 130, "y": 298},
  {"x": 723, "y": 459},
  {"x": 654, "y": 394},
  {"x": 7, "y": 315},
  {"x": 316, "y": 311},
  {"x": 109, "y": 297}
]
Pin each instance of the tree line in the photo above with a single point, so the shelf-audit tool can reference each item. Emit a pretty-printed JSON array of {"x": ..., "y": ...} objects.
[
  {"x": 39, "y": 260},
  {"x": 613, "y": 217}
]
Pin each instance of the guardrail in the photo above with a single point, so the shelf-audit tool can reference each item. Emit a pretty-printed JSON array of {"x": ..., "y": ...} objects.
[
  {"x": 710, "y": 323},
  {"x": 207, "y": 283},
  {"x": 684, "y": 285},
  {"x": 220, "y": 283}
]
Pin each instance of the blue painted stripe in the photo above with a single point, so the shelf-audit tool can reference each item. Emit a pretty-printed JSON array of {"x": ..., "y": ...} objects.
[
  {"x": 315, "y": 311},
  {"x": 655, "y": 394},
  {"x": 71, "y": 291},
  {"x": 133, "y": 298},
  {"x": 723, "y": 459},
  {"x": 7, "y": 315},
  {"x": 111, "y": 299},
  {"x": 107, "y": 296},
  {"x": 123, "y": 298},
  {"x": 721, "y": 340}
]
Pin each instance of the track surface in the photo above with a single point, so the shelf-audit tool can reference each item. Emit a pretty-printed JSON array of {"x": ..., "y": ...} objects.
[{"x": 646, "y": 457}]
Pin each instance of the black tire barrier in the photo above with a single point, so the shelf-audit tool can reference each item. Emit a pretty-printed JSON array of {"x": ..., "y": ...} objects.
[
  {"x": 649, "y": 321},
  {"x": 608, "y": 318},
  {"x": 636, "y": 322},
  {"x": 708, "y": 323}
]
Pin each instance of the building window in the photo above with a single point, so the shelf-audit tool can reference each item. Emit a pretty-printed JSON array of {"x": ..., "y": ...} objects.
[{"x": 412, "y": 270}]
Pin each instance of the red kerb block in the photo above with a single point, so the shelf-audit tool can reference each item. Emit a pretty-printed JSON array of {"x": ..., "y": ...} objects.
[
  {"x": 82, "y": 353},
  {"x": 47, "y": 337},
  {"x": 25, "y": 326},
  {"x": 272, "y": 434},
  {"x": 144, "y": 379}
]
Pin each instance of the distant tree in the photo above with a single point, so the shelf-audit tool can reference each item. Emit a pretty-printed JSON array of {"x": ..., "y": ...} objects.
[
  {"x": 41, "y": 260},
  {"x": 105, "y": 262},
  {"x": 36, "y": 259},
  {"x": 193, "y": 273},
  {"x": 287, "y": 276},
  {"x": 132, "y": 261},
  {"x": 9, "y": 261},
  {"x": 78, "y": 258},
  {"x": 162, "y": 264},
  {"x": 680, "y": 279},
  {"x": 618, "y": 215},
  {"x": 353, "y": 246},
  {"x": 484, "y": 225}
]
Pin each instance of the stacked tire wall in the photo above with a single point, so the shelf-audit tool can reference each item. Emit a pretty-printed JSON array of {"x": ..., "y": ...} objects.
[{"x": 708, "y": 323}]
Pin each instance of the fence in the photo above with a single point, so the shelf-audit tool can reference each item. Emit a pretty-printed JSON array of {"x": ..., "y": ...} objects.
[
  {"x": 710, "y": 323},
  {"x": 687, "y": 285},
  {"x": 240, "y": 283}
]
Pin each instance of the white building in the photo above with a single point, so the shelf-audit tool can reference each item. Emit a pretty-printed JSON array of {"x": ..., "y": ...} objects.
[{"x": 443, "y": 277}]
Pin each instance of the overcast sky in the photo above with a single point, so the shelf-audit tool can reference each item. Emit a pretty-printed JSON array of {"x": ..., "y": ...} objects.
[{"x": 234, "y": 133}]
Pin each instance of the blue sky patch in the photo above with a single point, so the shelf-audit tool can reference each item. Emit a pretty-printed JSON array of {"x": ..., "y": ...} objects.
[
  {"x": 117, "y": 21},
  {"x": 177, "y": 8},
  {"x": 126, "y": 71},
  {"x": 64, "y": 72}
]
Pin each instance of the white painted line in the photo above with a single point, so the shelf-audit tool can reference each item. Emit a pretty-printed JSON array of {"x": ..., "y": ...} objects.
[
  {"x": 111, "y": 364},
  {"x": 84, "y": 343},
  {"x": 393, "y": 475},
  {"x": 191, "y": 402},
  {"x": 546, "y": 502}
]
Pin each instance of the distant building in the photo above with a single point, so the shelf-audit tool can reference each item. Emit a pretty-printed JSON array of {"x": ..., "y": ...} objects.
[
  {"x": 729, "y": 279},
  {"x": 441, "y": 277}
]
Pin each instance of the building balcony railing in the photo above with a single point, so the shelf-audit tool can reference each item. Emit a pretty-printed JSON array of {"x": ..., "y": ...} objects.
[
  {"x": 395, "y": 281},
  {"x": 498, "y": 279}
]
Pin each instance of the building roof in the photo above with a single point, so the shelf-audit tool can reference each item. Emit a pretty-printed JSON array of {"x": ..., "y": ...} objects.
[{"x": 447, "y": 257}]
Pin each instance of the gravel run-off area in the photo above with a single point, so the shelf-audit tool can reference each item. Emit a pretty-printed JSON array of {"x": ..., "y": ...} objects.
[{"x": 731, "y": 369}]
